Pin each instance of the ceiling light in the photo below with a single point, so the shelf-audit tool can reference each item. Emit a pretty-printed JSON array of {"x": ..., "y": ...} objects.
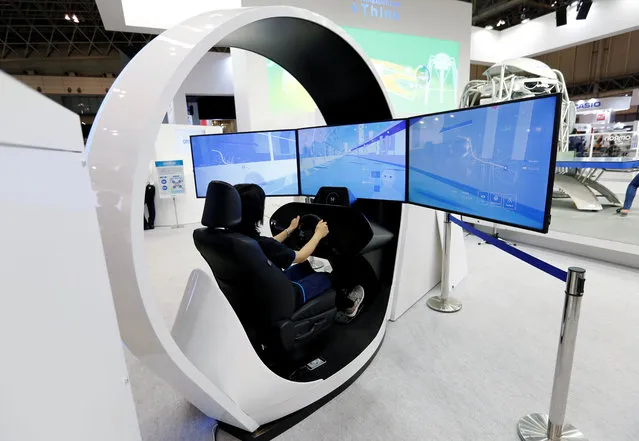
[
  {"x": 489, "y": 27},
  {"x": 75, "y": 18},
  {"x": 66, "y": 17}
]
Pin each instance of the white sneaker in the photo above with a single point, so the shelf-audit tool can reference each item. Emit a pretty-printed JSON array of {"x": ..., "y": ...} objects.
[{"x": 357, "y": 297}]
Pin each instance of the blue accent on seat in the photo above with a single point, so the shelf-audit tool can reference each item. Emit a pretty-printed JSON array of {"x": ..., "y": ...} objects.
[{"x": 303, "y": 292}]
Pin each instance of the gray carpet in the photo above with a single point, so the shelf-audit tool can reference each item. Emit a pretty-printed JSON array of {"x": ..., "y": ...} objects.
[{"x": 605, "y": 224}]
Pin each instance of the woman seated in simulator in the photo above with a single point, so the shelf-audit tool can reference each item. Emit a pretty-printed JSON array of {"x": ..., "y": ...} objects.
[{"x": 294, "y": 263}]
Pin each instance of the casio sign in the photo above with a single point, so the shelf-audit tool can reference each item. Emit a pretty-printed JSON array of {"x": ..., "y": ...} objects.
[{"x": 589, "y": 105}]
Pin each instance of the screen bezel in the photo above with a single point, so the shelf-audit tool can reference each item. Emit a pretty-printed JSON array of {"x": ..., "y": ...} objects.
[
  {"x": 299, "y": 168},
  {"x": 551, "y": 170},
  {"x": 244, "y": 133}
]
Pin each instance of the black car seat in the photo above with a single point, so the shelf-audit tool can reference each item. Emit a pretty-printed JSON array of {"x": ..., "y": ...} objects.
[{"x": 260, "y": 294}]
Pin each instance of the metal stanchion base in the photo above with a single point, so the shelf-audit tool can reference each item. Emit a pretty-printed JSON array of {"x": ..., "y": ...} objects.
[
  {"x": 175, "y": 227},
  {"x": 450, "y": 304},
  {"x": 534, "y": 427}
]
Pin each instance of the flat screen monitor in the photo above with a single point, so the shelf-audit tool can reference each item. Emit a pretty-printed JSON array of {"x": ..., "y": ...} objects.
[
  {"x": 268, "y": 159},
  {"x": 493, "y": 162},
  {"x": 369, "y": 159}
]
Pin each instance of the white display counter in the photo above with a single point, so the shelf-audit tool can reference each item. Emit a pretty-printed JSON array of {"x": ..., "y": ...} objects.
[{"x": 63, "y": 371}]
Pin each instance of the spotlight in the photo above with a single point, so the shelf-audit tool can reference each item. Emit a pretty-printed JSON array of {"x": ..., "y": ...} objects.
[
  {"x": 75, "y": 18},
  {"x": 66, "y": 17},
  {"x": 561, "y": 16},
  {"x": 489, "y": 27},
  {"x": 584, "y": 9}
]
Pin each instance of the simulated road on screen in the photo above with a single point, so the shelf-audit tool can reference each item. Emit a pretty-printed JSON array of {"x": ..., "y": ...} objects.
[{"x": 368, "y": 159}]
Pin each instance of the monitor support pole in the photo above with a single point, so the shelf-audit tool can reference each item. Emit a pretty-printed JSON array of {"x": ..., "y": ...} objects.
[
  {"x": 442, "y": 302},
  {"x": 177, "y": 220}
]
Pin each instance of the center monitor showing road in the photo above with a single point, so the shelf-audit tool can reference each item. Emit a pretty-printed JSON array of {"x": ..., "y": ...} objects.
[
  {"x": 264, "y": 158},
  {"x": 369, "y": 159},
  {"x": 492, "y": 162}
]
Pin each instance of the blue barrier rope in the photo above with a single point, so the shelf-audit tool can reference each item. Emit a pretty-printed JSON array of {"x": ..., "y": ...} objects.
[{"x": 531, "y": 260}]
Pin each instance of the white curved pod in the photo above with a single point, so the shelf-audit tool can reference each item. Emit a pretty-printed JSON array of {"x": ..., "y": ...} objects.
[
  {"x": 120, "y": 147},
  {"x": 208, "y": 331}
]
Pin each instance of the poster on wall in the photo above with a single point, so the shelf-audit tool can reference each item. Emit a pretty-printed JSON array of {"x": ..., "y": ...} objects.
[
  {"x": 420, "y": 74},
  {"x": 170, "y": 178},
  {"x": 183, "y": 138}
]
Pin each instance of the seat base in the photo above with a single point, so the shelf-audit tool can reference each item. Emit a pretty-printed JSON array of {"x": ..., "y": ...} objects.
[{"x": 276, "y": 428}]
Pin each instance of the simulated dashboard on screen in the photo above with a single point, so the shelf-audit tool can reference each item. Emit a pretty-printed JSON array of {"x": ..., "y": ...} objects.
[
  {"x": 368, "y": 159},
  {"x": 268, "y": 159},
  {"x": 492, "y": 162}
]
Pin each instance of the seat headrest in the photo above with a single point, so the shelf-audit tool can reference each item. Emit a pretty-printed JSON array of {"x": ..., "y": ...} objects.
[{"x": 222, "y": 207}]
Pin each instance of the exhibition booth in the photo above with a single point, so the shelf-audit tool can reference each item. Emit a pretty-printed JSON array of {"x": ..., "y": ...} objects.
[
  {"x": 348, "y": 114},
  {"x": 361, "y": 148}
]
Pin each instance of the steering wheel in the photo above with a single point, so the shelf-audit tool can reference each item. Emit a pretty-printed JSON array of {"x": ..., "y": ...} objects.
[{"x": 306, "y": 228}]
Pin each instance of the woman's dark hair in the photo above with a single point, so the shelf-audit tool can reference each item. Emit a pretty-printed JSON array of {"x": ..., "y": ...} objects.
[{"x": 253, "y": 198}]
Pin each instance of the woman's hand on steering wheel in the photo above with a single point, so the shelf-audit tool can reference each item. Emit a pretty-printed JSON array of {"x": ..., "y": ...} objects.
[
  {"x": 321, "y": 229},
  {"x": 294, "y": 224}
]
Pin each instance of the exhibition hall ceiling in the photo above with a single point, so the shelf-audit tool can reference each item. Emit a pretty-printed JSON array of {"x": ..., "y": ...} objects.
[
  {"x": 503, "y": 14},
  {"x": 55, "y": 28}
]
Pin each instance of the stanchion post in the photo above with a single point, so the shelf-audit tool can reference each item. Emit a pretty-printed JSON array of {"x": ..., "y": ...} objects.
[
  {"x": 538, "y": 427},
  {"x": 443, "y": 302}
]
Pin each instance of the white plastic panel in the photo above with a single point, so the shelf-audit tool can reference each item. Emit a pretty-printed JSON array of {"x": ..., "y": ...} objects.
[
  {"x": 18, "y": 106},
  {"x": 63, "y": 370}
]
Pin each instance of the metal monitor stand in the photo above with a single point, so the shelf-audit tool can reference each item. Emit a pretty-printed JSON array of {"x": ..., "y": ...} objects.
[
  {"x": 177, "y": 220},
  {"x": 442, "y": 302}
]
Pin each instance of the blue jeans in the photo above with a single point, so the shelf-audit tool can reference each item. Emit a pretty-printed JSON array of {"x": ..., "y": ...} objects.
[
  {"x": 631, "y": 192},
  {"x": 310, "y": 283}
]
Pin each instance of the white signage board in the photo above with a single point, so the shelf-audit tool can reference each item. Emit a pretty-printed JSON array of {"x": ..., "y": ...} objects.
[
  {"x": 170, "y": 178},
  {"x": 595, "y": 105}
]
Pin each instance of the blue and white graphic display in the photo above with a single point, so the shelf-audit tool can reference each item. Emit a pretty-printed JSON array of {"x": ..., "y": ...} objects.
[
  {"x": 264, "y": 158},
  {"x": 368, "y": 159},
  {"x": 490, "y": 162}
]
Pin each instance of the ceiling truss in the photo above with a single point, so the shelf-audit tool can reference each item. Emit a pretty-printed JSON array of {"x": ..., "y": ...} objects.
[{"x": 38, "y": 28}]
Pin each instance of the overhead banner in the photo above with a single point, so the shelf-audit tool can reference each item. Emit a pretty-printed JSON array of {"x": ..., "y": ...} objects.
[{"x": 170, "y": 178}]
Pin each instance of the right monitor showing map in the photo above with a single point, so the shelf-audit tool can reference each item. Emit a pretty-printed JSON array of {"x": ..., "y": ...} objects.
[{"x": 493, "y": 162}]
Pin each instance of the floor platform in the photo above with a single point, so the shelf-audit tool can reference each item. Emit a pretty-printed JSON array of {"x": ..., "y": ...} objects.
[{"x": 441, "y": 377}]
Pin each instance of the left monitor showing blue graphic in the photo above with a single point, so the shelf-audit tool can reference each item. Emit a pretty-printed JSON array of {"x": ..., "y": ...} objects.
[
  {"x": 369, "y": 159},
  {"x": 268, "y": 159}
]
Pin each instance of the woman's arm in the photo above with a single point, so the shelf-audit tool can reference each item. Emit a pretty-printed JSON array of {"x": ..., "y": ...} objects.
[
  {"x": 287, "y": 232},
  {"x": 321, "y": 231}
]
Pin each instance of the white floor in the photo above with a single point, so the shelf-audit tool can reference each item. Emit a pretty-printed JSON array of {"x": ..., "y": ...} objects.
[
  {"x": 468, "y": 376},
  {"x": 604, "y": 224}
]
